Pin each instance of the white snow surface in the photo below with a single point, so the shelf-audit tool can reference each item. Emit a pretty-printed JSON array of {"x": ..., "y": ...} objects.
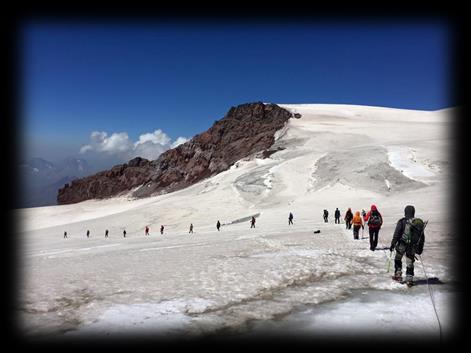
[{"x": 334, "y": 156}]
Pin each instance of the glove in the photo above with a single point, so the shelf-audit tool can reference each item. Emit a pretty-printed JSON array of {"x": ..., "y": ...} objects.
[{"x": 391, "y": 248}]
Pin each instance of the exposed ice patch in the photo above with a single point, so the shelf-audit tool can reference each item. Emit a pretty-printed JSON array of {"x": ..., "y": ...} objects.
[
  {"x": 353, "y": 316},
  {"x": 268, "y": 177},
  {"x": 404, "y": 159},
  {"x": 364, "y": 167},
  {"x": 51, "y": 254},
  {"x": 169, "y": 316},
  {"x": 281, "y": 132},
  {"x": 290, "y": 252}
]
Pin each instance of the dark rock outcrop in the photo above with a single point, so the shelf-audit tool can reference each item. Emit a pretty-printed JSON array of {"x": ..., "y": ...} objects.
[{"x": 245, "y": 130}]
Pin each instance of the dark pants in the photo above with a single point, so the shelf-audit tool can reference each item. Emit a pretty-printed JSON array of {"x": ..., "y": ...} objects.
[
  {"x": 337, "y": 220},
  {"x": 356, "y": 230},
  {"x": 290, "y": 221},
  {"x": 253, "y": 225},
  {"x": 348, "y": 224},
  {"x": 373, "y": 238},
  {"x": 401, "y": 250},
  {"x": 326, "y": 219}
]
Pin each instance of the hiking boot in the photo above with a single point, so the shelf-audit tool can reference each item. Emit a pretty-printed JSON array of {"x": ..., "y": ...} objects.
[
  {"x": 397, "y": 277},
  {"x": 410, "y": 283}
]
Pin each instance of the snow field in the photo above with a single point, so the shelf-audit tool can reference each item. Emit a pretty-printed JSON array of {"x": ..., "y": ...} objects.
[{"x": 180, "y": 283}]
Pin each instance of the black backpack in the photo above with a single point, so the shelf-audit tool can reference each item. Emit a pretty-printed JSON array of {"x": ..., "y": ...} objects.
[
  {"x": 413, "y": 231},
  {"x": 375, "y": 219}
]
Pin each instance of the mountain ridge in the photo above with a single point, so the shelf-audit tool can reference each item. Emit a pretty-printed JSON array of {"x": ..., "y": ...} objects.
[{"x": 244, "y": 130}]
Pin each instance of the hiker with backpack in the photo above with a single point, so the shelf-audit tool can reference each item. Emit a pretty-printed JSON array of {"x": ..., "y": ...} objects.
[
  {"x": 290, "y": 218},
  {"x": 357, "y": 224},
  {"x": 408, "y": 239},
  {"x": 374, "y": 220},
  {"x": 326, "y": 216},
  {"x": 218, "y": 225},
  {"x": 348, "y": 218}
]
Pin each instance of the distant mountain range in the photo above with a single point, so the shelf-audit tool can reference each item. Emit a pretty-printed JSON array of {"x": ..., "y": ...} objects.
[{"x": 40, "y": 179}]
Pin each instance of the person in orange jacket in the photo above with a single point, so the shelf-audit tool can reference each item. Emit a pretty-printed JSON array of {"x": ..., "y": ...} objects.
[
  {"x": 374, "y": 221},
  {"x": 357, "y": 222}
]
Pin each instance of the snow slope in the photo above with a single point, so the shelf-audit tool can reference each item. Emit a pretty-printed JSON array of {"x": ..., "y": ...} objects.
[{"x": 179, "y": 283}]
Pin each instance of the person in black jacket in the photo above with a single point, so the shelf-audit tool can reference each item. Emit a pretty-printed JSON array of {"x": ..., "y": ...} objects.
[
  {"x": 326, "y": 216},
  {"x": 337, "y": 216},
  {"x": 403, "y": 246},
  {"x": 252, "y": 222}
]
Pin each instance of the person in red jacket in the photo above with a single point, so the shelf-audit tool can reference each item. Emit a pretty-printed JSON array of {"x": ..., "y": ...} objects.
[
  {"x": 374, "y": 220},
  {"x": 348, "y": 218}
]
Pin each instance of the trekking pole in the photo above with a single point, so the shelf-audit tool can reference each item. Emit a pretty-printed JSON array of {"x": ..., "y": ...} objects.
[{"x": 389, "y": 262}]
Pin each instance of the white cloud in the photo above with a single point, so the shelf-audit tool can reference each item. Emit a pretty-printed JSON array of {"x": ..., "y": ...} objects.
[
  {"x": 156, "y": 137},
  {"x": 85, "y": 148},
  {"x": 149, "y": 145},
  {"x": 179, "y": 141},
  {"x": 149, "y": 150}
]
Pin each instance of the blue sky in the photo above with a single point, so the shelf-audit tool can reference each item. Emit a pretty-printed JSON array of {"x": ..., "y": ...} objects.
[{"x": 180, "y": 77}]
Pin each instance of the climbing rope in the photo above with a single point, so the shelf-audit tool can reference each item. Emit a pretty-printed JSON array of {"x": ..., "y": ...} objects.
[{"x": 431, "y": 298}]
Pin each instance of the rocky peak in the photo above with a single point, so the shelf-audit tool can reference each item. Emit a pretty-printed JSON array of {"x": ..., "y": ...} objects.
[{"x": 245, "y": 130}]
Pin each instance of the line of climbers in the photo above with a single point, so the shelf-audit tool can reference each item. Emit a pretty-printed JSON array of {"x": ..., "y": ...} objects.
[
  {"x": 373, "y": 219},
  {"x": 408, "y": 238}
]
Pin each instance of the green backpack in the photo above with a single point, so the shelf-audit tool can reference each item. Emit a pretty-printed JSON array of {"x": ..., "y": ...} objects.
[{"x": 413, "y": 231}]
